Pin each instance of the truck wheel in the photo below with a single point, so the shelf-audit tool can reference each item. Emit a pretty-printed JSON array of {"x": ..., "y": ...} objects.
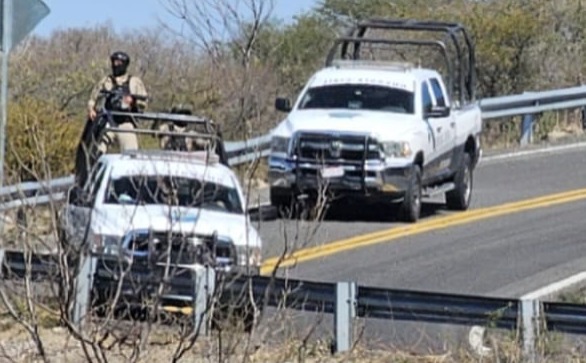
[
  {"x": 283, "y": 202},
  {"x": 459, "y": 198},
  {"x": 411, "y": 205}
]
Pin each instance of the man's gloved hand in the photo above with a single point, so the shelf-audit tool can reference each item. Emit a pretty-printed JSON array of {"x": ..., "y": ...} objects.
[{"x": 127, "y": 102}]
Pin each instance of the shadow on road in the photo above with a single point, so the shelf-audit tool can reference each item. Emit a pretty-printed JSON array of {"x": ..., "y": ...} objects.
[
  {"x": 348, "y": 212},
  {"x": 375, "y": 213}
]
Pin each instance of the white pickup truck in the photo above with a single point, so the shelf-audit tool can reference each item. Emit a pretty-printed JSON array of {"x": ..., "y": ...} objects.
[
  {"x": 378, "y": 131},
  {"x": 136, "y": 199}
]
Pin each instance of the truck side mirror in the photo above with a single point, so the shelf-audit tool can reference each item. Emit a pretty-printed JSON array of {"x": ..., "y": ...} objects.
[
  {"x": 283, "y": 104},
  {"x": 437, "y": 112},
  {"x": 74, "y": 195},
  {"x": 77, "y": 196}
]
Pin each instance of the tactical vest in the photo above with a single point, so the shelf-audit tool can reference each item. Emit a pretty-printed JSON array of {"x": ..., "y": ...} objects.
[{"x": 114, "y": 101}]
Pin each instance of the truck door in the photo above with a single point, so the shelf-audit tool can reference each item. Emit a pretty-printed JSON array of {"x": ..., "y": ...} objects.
[
  {"x": 78, "y": 211},
  {"x": 432, "y": 151},
  {"x": 444, "y": 127}
]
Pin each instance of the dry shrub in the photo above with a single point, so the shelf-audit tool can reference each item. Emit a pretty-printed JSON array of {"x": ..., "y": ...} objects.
[{"x": 41, "y": 140}]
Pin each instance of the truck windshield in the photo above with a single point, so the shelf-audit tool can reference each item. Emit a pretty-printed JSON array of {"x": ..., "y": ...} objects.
[
  {"x": 173, "y": 191},
  {"x": 358, "y": 97}
]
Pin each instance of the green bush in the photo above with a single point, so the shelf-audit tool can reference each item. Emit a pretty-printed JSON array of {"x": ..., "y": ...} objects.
[{"x": 41, "y": 140}]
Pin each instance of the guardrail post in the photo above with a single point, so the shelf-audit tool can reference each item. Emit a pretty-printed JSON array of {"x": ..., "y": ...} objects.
[
  {"x": 530, "y": 319},
  {"x": 527, "y": 126},
  {"x": 83, "y": 286},
  {"x": 527, "y": 129},
  {"x": 204, "y": 287},
  {"x": 345, "y": 313}
]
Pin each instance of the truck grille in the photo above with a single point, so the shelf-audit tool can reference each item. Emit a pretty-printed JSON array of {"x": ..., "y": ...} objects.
[
  {"x": 182, "y": 250},
  {"x": 330, "y": 147}
]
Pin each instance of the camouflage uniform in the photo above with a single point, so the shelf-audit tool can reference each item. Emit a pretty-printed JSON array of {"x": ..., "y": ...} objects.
[
  {"x": 135, "y": 86},
  {"x": 169, "y": 142},
  {"x": 188, "y": 143}
]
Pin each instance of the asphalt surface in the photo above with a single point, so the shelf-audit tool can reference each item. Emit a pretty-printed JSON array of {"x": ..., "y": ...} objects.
[
  {"x": 495, "y": 182},
  {"x": 500, "y": 255},
  {"x": 503, "y": 256},
  {"x": 506, "y": 256}
]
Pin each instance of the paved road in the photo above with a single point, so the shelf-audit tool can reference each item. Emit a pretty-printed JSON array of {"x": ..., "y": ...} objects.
[
  {"x": 495, "y": 182},
  {"x": 506, "y": 256},
  {"x": 500, "y": 255}
]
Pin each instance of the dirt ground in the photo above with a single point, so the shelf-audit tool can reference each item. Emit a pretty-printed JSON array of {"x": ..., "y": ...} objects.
[{"x": 16, "y": 346}]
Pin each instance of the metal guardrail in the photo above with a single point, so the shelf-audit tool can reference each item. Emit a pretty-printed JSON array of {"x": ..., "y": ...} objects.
[
  {"x": 566, "y": 317},
  {"x": 345, "y": 300},
  {"x": 239, "y": 152},
  {"x": 437, "y": 308},
  {"x": 529, "y": 103},
  {"x": 14, "y": 264}
]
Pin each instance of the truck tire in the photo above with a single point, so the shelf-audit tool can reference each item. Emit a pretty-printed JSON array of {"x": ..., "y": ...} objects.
[
  {"x": 411, "y": 205},
  {"x": 459, "y": 198},
  {"x": 283, "y": 202}
]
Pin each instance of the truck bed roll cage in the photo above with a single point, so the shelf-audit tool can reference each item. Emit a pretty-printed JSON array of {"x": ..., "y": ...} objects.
[
  {"x": 211, "y": 130},
  {"x": 466, "y": 84}
]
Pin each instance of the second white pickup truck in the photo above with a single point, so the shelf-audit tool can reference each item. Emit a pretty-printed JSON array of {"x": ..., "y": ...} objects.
[
  {"x": 135, "y": 200},
  {"x": 380, "y": 131}
]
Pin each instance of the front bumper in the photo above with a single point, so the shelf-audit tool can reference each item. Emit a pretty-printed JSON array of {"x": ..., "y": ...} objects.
[
  {"x": 144, "y": 282},
  {"x": 374, "y": 177},
  {"x": 140, "y": 247}
]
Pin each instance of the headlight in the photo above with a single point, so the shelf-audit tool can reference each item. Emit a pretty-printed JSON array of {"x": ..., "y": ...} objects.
[
  {"x": 396, "y": 149},
  {"x": 248, "y": 255},
  {"x": 279, "y": 144}
]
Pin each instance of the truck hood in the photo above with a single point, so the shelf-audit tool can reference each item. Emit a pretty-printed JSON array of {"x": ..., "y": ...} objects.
[
  {"x": 118, "y": 220},
  {"x": 377, "y": 123}
]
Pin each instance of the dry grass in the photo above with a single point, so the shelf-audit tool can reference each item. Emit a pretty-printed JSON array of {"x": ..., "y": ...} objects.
[
  {"x": 64, "y": 349},
  {"x": 548, "y": 127},
  {"x": 264, "y": 345},
  {"x": 577, "y": 296},
  {"x": 37, "y": 232},
  {"x": 15, "y": 346}
]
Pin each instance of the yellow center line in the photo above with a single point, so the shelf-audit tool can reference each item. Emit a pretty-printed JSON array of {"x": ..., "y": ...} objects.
[
  {"x": 438, "y": 223},
  {"x": 395, "y": 233}
]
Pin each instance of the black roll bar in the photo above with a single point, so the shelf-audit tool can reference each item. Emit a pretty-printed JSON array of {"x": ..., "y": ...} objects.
[{"x": 356, "y": 35}]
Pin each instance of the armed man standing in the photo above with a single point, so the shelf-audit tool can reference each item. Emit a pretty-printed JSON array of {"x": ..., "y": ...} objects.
[{"x": 119, "y": 80}]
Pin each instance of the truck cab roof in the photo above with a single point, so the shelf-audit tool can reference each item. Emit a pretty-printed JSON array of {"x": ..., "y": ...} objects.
[
  {"x": 403, "y": 76},
  {"x": 200, "y": 164},
  {"x": 154, "y": 155}
]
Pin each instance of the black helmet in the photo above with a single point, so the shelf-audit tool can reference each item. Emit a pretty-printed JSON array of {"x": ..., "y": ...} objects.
[
  {"x": 119, "y": 70},
  {"x": 180, "y": 110}
]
